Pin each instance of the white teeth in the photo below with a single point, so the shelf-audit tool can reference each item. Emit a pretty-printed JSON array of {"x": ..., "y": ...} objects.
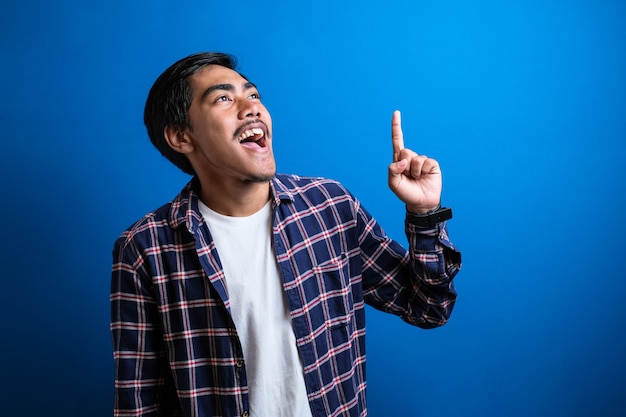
[{"x": 257, "y": 131}]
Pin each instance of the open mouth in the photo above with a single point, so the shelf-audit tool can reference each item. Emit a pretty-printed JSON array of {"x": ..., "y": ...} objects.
[{"x": 253, "y": 136}]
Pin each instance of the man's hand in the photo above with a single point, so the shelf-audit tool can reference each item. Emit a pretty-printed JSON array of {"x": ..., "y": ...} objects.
[{"x": 415, "y": 179}]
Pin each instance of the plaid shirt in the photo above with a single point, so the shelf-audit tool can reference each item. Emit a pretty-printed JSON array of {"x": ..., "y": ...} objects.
[{"x": 176, "y": 348}]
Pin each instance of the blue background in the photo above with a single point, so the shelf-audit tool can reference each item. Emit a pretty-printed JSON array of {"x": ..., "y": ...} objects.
[{"x": 523, "y": 102}]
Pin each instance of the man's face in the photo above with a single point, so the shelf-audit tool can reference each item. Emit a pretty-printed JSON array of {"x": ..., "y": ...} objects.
[{"x": 230, "y": 128}]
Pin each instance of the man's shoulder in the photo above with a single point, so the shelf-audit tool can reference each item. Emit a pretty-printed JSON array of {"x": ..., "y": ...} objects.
[
  {"x": 306, "y": 191},
  {"x": 148, "y": 224},
  {"x": 160, "y": 222}
]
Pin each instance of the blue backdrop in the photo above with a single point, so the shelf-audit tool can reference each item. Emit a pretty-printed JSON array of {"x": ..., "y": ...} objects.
[{"x": 523, "y": 102}]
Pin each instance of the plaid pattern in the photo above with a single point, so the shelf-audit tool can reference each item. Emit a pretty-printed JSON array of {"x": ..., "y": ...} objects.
[{"x": 175, "y": 346}]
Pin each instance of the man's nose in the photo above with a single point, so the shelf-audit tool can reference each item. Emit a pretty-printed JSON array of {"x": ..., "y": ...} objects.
[{"x": 249, "y": 108}]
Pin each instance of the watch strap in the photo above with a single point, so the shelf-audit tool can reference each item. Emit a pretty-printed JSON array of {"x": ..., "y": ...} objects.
[{"x": 431, "y": 218}]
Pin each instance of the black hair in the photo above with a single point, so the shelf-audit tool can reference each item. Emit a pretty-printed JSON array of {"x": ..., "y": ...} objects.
[{"x": 169, "y": 100}]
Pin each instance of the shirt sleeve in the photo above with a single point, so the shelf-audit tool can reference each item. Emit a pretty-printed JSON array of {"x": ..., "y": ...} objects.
[
  {"x": 415, "y": 284},
  {"x": 143, "y": 382}
]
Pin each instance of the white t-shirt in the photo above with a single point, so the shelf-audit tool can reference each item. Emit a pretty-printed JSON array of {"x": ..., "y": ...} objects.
[{"x": 259, "y": 310}]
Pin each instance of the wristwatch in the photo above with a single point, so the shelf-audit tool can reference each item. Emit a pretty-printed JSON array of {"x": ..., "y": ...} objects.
[{"x": 431, "y": 218}]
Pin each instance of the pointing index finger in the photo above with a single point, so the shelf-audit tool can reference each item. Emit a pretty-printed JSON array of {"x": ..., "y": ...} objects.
[{"x": 397, "y": 139}]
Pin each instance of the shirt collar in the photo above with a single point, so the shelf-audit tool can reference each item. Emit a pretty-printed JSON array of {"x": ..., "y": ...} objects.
[
  {"x": 185, "y": 210},
  {"x": 280, "y": 191}
]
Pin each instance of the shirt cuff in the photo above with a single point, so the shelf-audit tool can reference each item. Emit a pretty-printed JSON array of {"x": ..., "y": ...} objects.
[{"x": 428, "y": 239}]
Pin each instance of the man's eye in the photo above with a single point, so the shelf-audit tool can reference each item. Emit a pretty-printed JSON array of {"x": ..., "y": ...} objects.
[
  {"x": 255, "y": 96},
  {"x": 221, "y": 98}
]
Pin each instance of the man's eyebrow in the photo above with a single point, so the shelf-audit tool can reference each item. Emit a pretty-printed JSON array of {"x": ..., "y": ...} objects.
[{"x": 226, "y": 87}]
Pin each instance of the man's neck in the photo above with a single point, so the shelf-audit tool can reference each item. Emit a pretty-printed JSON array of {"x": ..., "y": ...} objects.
[{"x": 237, "y": 198}]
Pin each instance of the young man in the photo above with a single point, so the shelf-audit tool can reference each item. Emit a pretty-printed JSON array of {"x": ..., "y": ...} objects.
[{"x": 244, "y": 296}]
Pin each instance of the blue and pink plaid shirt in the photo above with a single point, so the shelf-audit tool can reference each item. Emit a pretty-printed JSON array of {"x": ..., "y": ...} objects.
[{"x": 176, "y": 348}]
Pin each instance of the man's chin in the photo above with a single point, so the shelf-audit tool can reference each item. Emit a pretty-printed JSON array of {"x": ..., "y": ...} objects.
[{"x": 261, "y": 178}]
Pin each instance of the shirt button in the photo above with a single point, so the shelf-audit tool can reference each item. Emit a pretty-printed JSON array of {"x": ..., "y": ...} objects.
[
  {"x": 239, "y": 363},
  {"x": 245, "y": 414}
]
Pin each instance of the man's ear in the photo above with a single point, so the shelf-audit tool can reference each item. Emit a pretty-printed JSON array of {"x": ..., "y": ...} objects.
[{"x": 179, "y": 140}]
